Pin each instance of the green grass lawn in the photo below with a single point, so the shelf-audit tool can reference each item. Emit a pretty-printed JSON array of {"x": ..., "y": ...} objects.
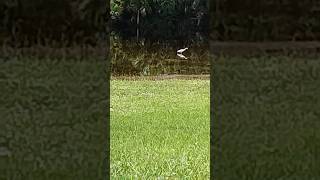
[
  {"x": 266, "y": 118},
  {"x": 160, "y": 129},
  {"x": 52, "y": 118}
]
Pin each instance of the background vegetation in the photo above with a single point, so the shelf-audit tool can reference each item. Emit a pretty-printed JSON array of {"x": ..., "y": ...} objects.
[
  {"x": 43, "y": 21},
  {"x": 265, "y": 20},
  {"x": 159, "y": 19},
  {"x": 54, "y": 22}
]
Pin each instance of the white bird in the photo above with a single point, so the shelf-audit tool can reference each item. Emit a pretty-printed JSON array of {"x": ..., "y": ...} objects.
[{"x": 182, "y": 50}]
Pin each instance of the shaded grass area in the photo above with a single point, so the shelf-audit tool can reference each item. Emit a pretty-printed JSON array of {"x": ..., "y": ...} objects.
[
  {"x": 52, "y": 118},
  {"x": 160, "y": 129},
  {"x": 266, "y": 118}
]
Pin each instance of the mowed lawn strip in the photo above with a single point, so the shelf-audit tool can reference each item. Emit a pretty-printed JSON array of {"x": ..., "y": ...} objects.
[{"x": 160, "y": 129}]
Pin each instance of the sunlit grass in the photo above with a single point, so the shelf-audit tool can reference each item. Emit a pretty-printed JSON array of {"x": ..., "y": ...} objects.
[{"x": 160, "y": 129}]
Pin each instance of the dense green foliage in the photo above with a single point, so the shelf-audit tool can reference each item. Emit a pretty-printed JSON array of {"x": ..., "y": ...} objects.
[{"x": 160, "y": 129}]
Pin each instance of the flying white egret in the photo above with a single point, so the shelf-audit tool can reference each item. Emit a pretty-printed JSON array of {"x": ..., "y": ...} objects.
[{"x": 180, "y": 51}]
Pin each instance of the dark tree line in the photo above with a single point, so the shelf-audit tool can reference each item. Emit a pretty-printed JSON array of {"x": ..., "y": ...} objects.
[
  {"x": 159, "y": 19},
  {"x": 265, "y": 20},
  {"x": 23, "y": 23}
]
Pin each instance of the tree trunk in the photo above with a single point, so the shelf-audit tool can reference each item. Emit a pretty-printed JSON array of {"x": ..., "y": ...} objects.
[{"x": 138, "y": 22}]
